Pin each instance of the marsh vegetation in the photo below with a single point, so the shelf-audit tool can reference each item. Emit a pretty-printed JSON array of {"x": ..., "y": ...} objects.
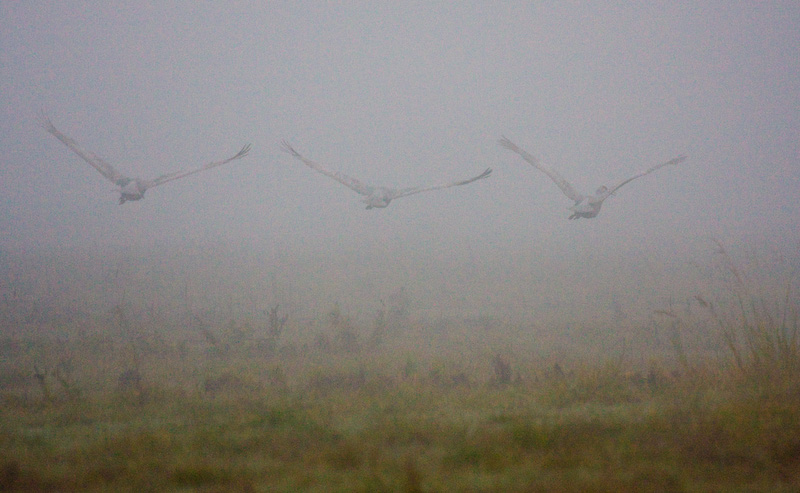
[{"x": 703, "y": 398}]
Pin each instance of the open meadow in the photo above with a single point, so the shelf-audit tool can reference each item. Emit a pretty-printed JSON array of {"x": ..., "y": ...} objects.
[{"x": 701, "y": 399}]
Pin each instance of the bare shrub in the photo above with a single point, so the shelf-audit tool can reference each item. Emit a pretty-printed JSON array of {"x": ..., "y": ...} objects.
[
  {"x": 129, "y": 380},
  {"x": 62, "y": 373},
  {"x": 41, "y": 379},
  {"x": 379, "y": 327},
  {"x": 224, "y": 383},
  {"x": 502, "y": 370}
]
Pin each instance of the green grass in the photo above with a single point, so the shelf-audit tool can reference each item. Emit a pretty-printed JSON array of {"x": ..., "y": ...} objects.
[{"x": 385, "y": 420}]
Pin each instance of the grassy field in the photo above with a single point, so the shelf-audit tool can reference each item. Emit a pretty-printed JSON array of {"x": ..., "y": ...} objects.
[
  {"x": 236, "y": 409},
  {"x": 705, "y": 397}
]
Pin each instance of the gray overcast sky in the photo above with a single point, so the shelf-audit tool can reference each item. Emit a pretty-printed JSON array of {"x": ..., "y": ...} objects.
[{"x": 404, "y": 93}]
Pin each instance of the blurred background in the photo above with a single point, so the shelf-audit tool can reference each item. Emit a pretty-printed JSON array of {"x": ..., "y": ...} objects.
[{"x": 395, "y": 94}]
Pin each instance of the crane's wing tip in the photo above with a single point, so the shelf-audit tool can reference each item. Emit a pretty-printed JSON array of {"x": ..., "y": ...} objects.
[
  {"x": 43, "y": 120},
  {"x": 287, "y": 147}
]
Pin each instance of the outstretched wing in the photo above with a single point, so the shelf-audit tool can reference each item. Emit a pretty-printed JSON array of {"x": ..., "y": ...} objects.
[
  {"x": 342, "y": 178},
  {"x": 616, "y": 187},
  {"x": 563, "y": 184},
  {"x": 184, "y": 173},
  {"x": 414, "y": 190},
  {"x": 97, "y": 163}
]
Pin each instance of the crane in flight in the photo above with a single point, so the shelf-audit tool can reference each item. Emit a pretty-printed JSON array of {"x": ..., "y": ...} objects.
[
  {"x": 586, "y": 206},
  {"x": 129, "y": 188},
  {"x": 374, "y": 196}
]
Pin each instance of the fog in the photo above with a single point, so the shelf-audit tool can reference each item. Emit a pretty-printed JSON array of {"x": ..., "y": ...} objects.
[{"x": 395, "y": 94}]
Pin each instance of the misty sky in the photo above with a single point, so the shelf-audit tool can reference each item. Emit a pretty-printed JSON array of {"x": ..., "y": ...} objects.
[{"x": 402, "y": 94}]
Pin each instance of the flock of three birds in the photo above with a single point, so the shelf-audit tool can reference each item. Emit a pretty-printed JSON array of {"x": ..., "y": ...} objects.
[{"x": 585, "y": 206}]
